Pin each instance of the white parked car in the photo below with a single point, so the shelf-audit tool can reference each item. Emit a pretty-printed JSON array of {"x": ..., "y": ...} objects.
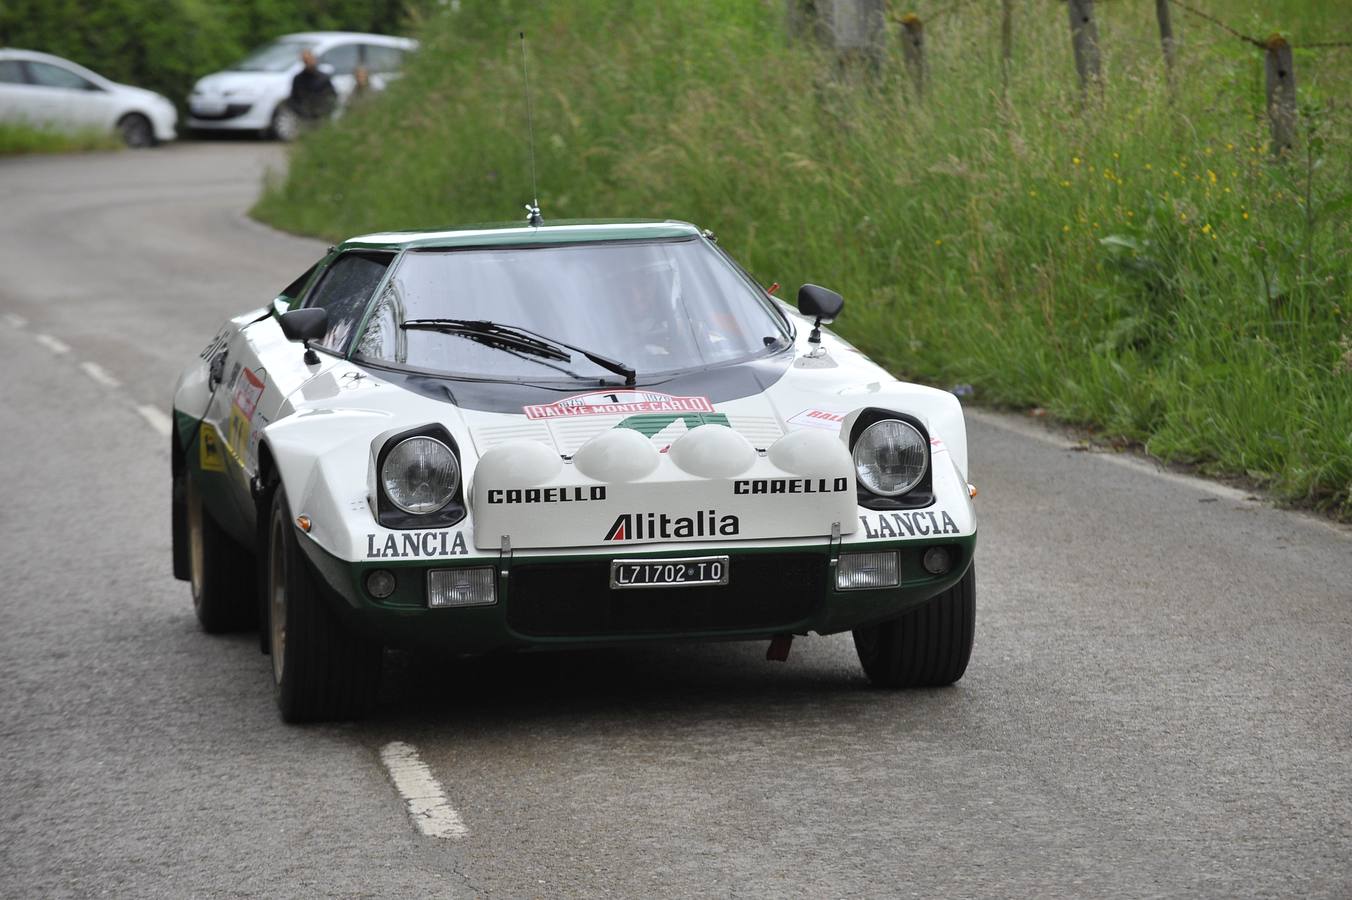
[
  {"x": 251, "y": 95},
  {"x": 48, "y": 91}
]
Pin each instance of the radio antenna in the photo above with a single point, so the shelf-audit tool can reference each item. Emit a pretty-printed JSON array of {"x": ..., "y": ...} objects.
[{"x": 532, "y": 208}]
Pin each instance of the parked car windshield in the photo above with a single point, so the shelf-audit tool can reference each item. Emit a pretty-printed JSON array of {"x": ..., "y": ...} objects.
[
  {"x": 275, "y": 57},
  {"x": 658, "y": 307}
]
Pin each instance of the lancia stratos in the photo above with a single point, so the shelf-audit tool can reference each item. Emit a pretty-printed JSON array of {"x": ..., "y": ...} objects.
[{"x": 540, "y": 437}]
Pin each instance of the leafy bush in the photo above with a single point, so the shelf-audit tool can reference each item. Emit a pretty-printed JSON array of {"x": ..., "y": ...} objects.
[{"x": 1133, "y": 260}]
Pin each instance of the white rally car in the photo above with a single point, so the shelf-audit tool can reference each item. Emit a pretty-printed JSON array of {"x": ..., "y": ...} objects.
[{"x": 569, "y": 435}]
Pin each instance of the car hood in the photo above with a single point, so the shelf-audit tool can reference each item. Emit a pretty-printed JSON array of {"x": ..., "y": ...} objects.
[{"x": 219, "y": 83}]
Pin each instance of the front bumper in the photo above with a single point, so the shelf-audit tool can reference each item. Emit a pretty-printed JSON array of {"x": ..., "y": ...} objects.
[{"x": 566, "y": 601}]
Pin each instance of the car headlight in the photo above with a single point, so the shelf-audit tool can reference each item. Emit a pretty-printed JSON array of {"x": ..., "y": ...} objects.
[
  {"x": 420, "y": 475},
  {"x": 890, "y": 457}
]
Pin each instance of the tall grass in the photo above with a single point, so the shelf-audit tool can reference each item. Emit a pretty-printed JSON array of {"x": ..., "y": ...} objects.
[{"x": 1131, "y": 260}]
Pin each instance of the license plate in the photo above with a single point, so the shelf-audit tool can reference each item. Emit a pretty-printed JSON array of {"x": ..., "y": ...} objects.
[
  {"x": 207, "y": 107},
  {"x": 659, "y": 573}
]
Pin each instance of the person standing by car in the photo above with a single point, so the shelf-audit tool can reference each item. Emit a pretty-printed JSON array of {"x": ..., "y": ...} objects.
[{"x": 312, "y": 93}]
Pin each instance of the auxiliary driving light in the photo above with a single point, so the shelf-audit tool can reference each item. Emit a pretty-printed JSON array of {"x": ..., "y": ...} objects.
[
  {"x": 937, "y": 560},
  {"x": 864, "y": 571},
  {"x": 380, "y": 583},
  {"x": 462, "y": 587}
]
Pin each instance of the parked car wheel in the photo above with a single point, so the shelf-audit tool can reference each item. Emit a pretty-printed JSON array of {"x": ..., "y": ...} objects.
[
  {"x": 136, "y": 130},
  {"x": 926, "y": 647},
  {"x": 285, "y": 124},
  {"x": 219, "y": 570},
  {"x": 320, "y": 670}
]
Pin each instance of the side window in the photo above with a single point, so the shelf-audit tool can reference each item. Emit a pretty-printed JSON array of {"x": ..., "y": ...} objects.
[
  {"x": 344, "y": 291},
  {"x": 11, "y": 72},
  {"x": 343, "y": 58},
  {"x": 294, "y": 289},
  {"x": 48, "y": 75},
  {"x": 384, "y": 60}
]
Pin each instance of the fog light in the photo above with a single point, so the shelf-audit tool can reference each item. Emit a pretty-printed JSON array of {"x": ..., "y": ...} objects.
[
  {"x": 937, "y": 560},
  {"x": 462, "y": 587},
  {"x": 863, "y": 571},
  {"x": 380, "y": 583}
]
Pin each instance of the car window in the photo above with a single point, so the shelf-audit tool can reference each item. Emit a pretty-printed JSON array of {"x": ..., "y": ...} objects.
[
  {"x": 275, "y": 57},
  {"x": 344, "y": 291},
  {"x": 343, "y": 58},
  {"x": 48, "y": 75},
  {"x": 659, "y": 306},
  {"x": 11, "y": 72},
  {"x": 383, "y": 59}
]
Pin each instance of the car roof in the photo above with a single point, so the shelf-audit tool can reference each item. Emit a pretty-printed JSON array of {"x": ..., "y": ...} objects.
[
  {"x": 499, "y": 234},
  {"x": 325, "y": 36}
]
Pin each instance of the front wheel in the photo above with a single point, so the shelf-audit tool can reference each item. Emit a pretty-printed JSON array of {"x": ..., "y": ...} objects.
[
  {"x": 926, "y": 647},
  {"x": 218, "y": 568},
  {"x": 285, "y": 124},
  {"x": 320, "y": 671},
  {"x": 136, "y": 130}
]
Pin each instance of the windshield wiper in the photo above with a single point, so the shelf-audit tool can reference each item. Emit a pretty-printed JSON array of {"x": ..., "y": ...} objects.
[{"x": 518, "y": 338}]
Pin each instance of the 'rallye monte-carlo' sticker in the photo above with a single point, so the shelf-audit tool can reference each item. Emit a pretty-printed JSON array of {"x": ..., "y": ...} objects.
[
  {"x": 818, "y": 418},
  {"x": 620, "y": 402}
]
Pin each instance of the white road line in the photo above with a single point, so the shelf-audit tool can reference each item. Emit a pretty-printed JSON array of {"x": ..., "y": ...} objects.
[
  {"x": 100, "y": 374},
  {"x": 158, "y": 420},
  {"x": 428, "y": 807},
  {"x": 14, "y": 321},
  {"x": 55, "y": 345}
]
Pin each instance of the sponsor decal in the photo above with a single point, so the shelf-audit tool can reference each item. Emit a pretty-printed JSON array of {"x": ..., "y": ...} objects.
[
  {"x": 416, "y": 545},
  {"x": 610, "y": 403},
  {"x": 547, "y": 495},
  {"x": 210, "y": 458},
  {"x": 919, "y": 523},
  {"x": 247, "y": 389},
  {"x": 790, "y": 485},
  {"x": 818, "y": 418},
  {"x": 217, "y": 343},
  {"x": 646, "y": 526}
]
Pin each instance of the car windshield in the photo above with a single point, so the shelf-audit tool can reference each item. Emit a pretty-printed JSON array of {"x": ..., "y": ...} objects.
[
  {"x": 275, "y": 57},
  {"x": 657, "y": 307}
]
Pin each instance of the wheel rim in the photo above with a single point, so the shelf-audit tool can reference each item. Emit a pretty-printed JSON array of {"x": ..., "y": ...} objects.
[
  {"x": 136, "y": 132},
  {"x": 277, "y": 597},
  {"x": 285, "y": 125},
  {"x": 196, "y": 545}
]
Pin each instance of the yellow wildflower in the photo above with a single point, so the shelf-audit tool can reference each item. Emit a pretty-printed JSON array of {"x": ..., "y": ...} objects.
[
  {"x": 1211, "y": 176},
  {"x": 1206, "y": 229},
  {"x": 1246, "y": 215},
  {"x": 1075, "y": 160},
  {"x": 1065, "y": 184}
]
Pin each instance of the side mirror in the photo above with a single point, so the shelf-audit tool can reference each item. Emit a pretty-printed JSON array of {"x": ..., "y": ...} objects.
[
  {"x": 822, "y": 305},
  {"x": 305, "y": 325},
  {"x": 818, "y": 302}
]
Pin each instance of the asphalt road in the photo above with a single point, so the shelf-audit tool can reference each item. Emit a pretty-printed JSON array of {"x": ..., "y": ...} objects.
[{"x": 1159, "y": 702}]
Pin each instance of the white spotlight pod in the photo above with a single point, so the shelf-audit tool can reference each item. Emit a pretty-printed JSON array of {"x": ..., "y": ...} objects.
[
  {"x": 712, "y": 451},
  {"x": 617, "y": 456},
  {"x": 811, "y": 452}
]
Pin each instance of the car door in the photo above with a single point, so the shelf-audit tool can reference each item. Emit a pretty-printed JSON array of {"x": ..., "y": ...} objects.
[
  {"x": 68, "y": 98},
  {"x": 16, "y": 94},
  {"x": 383, "y": 64},
  {"x": 342, "y": 60}
]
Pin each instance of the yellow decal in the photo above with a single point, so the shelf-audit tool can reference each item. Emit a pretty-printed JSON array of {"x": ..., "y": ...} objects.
[
  {"x": 209, "y": 456},
  {"x": 237, "y": 435}
]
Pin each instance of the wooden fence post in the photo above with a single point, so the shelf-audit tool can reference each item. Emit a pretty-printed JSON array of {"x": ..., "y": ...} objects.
[
  {"x": 1166, "y": 38},
  {"x": 1006, "y": 44},
  {"x": 1281, "y": 95},
  {"x": 913, "y": 51},
  {"x": 1084, "y": 38}
]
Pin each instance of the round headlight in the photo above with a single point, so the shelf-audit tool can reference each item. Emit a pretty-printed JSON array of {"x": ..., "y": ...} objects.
[
  {"x": 890, "y": 457},
  {"x": 420, "y": 475}
]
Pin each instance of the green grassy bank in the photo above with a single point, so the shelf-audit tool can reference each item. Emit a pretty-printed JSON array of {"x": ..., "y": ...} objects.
[
  {"x": 1133, "y": 261},
  {"x": 18, "y": 139}
]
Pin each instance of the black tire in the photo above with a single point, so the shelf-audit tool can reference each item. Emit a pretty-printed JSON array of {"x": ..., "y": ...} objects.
[
  {"x": 285, "y": 125},
  {"x": 926, "y": 647},
  {"x": 320, "y": 670},
  {"x": 220, "y": 571},
  {"x": 136, "y": 130}
]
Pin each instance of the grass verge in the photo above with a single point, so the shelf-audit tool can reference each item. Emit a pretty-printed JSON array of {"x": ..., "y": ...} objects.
[
  {"x": 1131, "y": 259},
  {"x": 16, "y": 140}
]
